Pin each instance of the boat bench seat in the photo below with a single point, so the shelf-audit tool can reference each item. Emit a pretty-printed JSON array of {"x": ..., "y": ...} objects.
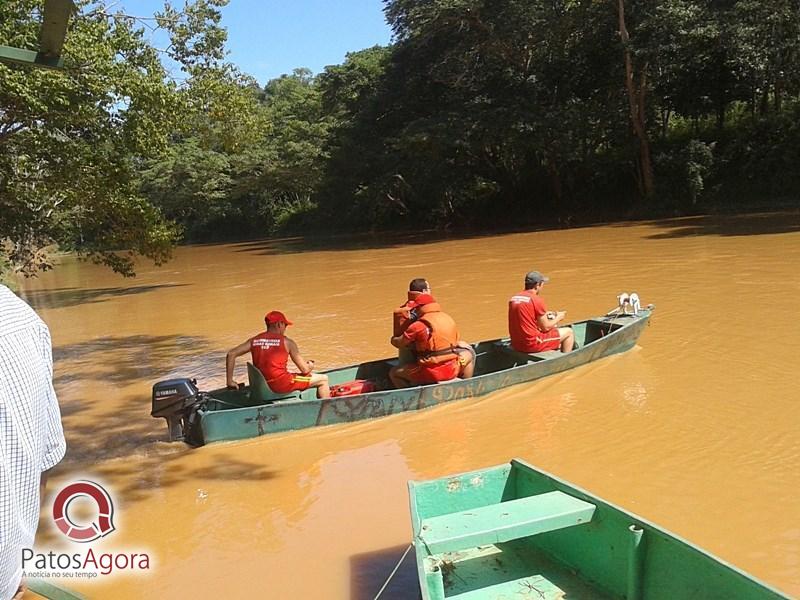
[
  {"x": 548, "y": 354},
  {"x": 504, "y": 521},
  {"x": 534, "y": 356},
  {"x": 260, "y": 393}
]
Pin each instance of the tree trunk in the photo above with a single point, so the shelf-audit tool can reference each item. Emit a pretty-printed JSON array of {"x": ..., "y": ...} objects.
[
  {"x": 555, "y": 182},
  {"x": 636, "y": 104},
  {"x": 665, "y": 115}
]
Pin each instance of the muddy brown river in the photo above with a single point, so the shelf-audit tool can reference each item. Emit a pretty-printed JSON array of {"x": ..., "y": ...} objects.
[{"x": 696, "y": 428}]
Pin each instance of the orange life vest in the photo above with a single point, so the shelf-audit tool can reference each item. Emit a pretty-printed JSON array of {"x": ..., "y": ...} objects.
[
  {"x": 443, "y": 339},
  {"x": 402, "y": 316}
]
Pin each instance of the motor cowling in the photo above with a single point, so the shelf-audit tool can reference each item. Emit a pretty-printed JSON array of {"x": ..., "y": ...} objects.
[{"x": 176, "y": 400}]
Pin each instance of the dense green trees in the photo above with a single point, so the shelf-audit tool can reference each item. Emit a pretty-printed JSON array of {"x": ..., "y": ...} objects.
[
  {"x": 481, "y": 113},
  {"x": 72, "y": 142}
]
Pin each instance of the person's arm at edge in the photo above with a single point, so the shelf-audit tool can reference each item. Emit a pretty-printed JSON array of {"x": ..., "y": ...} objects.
[
  {"x": 400, "y": 341},
  {"x": 409, "y": 335},
  {"x": 22, "y": 588},
  {"x": 305, "y": 366},
  {"x": 230, "y": 361}
]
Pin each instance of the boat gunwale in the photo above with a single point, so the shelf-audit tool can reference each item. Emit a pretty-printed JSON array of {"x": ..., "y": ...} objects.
[{"x": 587, "y": 496}]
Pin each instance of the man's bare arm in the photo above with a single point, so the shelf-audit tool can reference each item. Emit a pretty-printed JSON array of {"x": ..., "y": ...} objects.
[
  {"x": 230, "y": 361},
  {"x": 400, "y": 341},
  {"x": 305, "y": 366},
  {"x": 550, "y": 319}
]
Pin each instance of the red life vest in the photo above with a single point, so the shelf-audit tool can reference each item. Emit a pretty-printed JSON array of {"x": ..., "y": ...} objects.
[
  {"x": 402, "y": 316},
  {"x": 443, "y": 339},
  {"x": 269, "y": 354}
]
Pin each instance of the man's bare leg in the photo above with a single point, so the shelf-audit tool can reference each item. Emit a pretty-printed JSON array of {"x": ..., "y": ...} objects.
[
  {"x": 468, "y": 368},
  {"x": 320, "y": 381},
  {"x": 567, "y": 338}
]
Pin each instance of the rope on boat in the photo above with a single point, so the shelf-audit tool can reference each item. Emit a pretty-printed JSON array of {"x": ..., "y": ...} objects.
[{"x": 397, "y": 566}]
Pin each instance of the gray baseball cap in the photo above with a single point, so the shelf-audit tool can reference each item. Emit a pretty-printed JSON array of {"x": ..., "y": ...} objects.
[{"x": 535, "y": 277}]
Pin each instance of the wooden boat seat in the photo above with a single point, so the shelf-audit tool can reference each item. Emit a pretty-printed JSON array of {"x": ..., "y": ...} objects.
[
  {"x": 259, "y": 390},
  {"x": 504, "y": 521}
]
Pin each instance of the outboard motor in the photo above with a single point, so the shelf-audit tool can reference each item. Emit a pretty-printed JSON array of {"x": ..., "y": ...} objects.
[{"x": 176, "y": 401}]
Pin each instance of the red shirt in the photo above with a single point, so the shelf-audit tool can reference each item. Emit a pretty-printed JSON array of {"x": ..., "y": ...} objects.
[
  {"x": 524, "y": 310},
  {"x": 269, "y": 354}
]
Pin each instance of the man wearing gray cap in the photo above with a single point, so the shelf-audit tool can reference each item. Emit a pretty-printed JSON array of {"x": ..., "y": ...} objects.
[{"x": 531, "y": 326}]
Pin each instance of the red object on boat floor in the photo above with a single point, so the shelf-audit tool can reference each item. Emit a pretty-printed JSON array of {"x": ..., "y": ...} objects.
[{"x": 351, "y": 388}]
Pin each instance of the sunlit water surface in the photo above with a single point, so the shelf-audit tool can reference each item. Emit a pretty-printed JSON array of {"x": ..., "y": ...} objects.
[{"x": 696, "y": 428}]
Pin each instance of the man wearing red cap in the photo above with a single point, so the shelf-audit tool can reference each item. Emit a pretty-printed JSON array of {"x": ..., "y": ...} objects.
[
  {"x": 433, "y": 335},
  {"x": 271, "y": 351},
  {"x": 403, "y": 317}
]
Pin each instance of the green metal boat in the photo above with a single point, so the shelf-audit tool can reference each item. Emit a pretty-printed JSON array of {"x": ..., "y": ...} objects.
[
  {"x": 202, "y": 417},
  {"x": 515, "y": 532}
]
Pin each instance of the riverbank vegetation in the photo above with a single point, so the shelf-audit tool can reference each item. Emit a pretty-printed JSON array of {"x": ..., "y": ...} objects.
[{"x": 481, "y": 114}]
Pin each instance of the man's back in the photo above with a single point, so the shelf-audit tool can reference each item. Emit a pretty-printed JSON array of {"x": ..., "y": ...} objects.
[
  {"x": 524, "y": 309},
  {"x": 31, "y": 437}
]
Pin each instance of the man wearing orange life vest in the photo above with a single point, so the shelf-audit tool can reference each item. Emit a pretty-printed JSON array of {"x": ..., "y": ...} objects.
[
  {"x": 403, "y": 317},
  {"x": 434, "y": 337},
  {"x": 271, "y": 351},
  {"x": 531, "y": 326}
]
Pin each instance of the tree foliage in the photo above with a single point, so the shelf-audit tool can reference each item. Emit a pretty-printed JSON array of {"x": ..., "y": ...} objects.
[
  {"x": 73, "y": 140},
  {"x": 481, "y": 113}
]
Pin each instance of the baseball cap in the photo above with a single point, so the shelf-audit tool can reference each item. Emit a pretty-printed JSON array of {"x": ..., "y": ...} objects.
[
  {"x": 276, "y": 316},
  {"x": 535, "y": 277}
]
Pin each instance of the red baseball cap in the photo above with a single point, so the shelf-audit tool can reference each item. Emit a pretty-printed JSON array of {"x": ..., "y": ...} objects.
[
  {"x": 423, "y": 299},
  {"x": 276, "y": 316}
]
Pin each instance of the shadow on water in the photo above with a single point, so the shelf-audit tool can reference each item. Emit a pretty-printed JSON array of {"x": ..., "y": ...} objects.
[
  {"x": 125, "y": 446},
  {"x": 162, "y": 467},
  {"x": 370, "y": 570},
  {"x": 108, "y": 414},
  {"x": 161, "y": 470},
  {"x": 109, "y": 380},
  {"x": 372, "y": 241},
  {"x": 65, "y": 297},
  {"x": 128, "y": 359},
  {"x": 726, "y": 225}
]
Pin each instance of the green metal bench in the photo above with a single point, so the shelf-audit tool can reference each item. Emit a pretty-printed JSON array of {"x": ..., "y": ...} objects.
[
  {"x": 260, "y": 393},
  {"x": 504, "y": 521},
  {"x": 505, "y": 347},
  {"x": 547, "y": 354}
]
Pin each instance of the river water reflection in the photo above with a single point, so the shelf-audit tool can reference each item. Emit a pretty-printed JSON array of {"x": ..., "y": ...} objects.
[{"x": 696, "y": 428}]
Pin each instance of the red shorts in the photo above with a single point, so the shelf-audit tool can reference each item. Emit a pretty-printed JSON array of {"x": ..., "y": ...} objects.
[
  {"x": 434, "y": 373},
  {"x": 549, "y": 340},
  {"x": 289, "y": 382}
]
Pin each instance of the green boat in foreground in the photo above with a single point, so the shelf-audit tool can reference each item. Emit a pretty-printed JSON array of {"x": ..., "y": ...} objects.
[
  {"x": 202, "y": 417},
  {"x": 514, "y": 532}
]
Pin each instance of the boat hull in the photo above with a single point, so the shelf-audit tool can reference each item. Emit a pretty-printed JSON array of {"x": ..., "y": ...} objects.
[
  {"x": 497, "y": 367},
  {"x": 605, "y": 552}
]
